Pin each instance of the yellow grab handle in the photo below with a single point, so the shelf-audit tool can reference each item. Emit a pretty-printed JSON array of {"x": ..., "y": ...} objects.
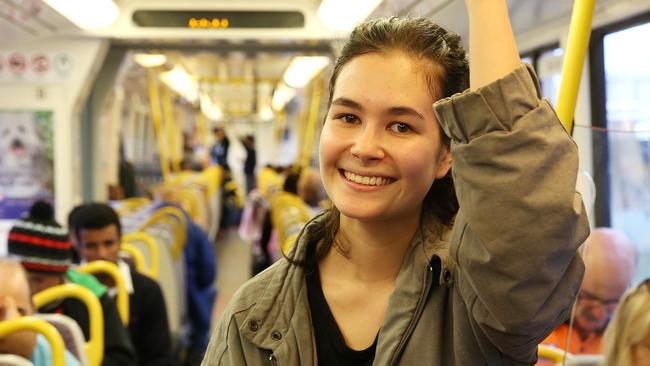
[
  {"x": 112, "y": 270},
  {"x": 152, "y": 247},
  {"x": 137, "y": 256},
  {"x": 576, "y": 49},
  {"x": 94, "y": 345},
  {"x": 41, "y": 326},
  {"x": 550, "y": 353},
  {"x": 166, "y": 213}
]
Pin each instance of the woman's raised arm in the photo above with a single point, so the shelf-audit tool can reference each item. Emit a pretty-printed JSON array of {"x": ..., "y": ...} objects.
[{"x": 492, "y": 49}]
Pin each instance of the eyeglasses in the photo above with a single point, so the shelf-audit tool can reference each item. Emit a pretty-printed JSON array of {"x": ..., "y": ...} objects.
[{"x": 591, "y": 300}]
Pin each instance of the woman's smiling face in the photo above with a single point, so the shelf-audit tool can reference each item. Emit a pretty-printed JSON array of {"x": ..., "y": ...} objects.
[{"x": 380, "y": 148}]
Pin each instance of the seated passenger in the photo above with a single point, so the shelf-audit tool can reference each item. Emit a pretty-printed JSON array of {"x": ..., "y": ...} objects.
[
  {"x": 610, "y": 260},
  {"x": 43, "y": 248},
  {"x": 200, "y": 272},
  {"x": 310, "y": 189},
  {"x": 16, "y": 301},
  {"x": 627, "y": 339},
  {"x": 97, "y": 231}
]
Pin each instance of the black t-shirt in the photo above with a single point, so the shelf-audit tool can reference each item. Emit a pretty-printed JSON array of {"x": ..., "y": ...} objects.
[{"x": 330, "y": 345}]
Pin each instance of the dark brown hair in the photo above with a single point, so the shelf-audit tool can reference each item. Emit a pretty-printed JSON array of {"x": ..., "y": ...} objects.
[{"x": 447, "y": 72}]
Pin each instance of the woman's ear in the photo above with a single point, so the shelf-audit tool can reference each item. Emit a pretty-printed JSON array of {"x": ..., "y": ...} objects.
[{"x": 444, "y": 161}]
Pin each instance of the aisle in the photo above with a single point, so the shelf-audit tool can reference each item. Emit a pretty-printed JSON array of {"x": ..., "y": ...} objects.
[{"x": 233, "y": 268}]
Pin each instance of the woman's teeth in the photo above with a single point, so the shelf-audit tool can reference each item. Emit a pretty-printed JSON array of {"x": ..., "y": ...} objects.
[{"x": 366, "y": 181}]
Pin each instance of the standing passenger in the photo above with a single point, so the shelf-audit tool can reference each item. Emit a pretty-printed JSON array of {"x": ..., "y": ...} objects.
[
  {"x": 395, "y": 273},
  {"x": 250, "y": 163},
  {"x": 219, "y": 151}
]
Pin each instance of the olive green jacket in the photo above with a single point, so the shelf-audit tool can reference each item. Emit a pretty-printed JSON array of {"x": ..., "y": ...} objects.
[{"x": 486, "y": 292}]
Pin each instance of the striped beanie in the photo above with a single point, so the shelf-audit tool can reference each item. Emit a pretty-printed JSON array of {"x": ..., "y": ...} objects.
[{"x": 40, "y": 245}]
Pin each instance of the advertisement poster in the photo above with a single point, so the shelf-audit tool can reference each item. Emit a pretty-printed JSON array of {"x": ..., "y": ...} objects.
[{"x": 26, "y": 161}]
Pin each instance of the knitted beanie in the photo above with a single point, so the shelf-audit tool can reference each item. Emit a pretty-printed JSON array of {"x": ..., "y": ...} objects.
[{"x": 40, "y": 245}]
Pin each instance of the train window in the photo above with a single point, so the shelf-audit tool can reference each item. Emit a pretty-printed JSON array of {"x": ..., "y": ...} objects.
[
  {"x": 549, "y": 70},
  {"x": 527, "y": 59},
  {"x": 627, "y": 114},
  {"x": 547, "y": 61}
]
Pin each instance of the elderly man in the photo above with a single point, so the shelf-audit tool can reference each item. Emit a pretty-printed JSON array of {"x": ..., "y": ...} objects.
[
  {"x": 610, "y": 261},
  {"x": 16, "y": 301}
]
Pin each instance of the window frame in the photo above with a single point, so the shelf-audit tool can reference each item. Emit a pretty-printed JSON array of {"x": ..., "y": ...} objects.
[
  {"x": 598, "y": 99},
  {"x": 537, "y": 52}
]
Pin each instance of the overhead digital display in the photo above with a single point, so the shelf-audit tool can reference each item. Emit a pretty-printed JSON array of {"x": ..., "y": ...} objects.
[{"x": 197, "y": 19}]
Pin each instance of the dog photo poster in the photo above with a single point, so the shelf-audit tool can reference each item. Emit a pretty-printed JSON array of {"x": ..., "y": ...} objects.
[{"x": 26, "y": 160}]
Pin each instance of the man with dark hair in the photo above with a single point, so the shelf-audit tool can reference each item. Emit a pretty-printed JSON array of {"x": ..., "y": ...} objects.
[
  {"x": 97, "y": 232},
  {"x": 43, "y": 248}
]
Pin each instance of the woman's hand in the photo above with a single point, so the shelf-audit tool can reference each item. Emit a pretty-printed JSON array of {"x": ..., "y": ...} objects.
[{"x": 492, "y": 49}]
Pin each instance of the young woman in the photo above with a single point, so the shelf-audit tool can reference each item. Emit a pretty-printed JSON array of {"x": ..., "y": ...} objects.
[
  {"x": 627, "y": 338},
  {"x": 395, "y": 273}
]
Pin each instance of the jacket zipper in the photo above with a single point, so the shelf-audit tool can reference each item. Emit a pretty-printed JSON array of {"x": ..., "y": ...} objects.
[
  {"x": 416, "y": 316},
  {"x": 272, "y": 360}
]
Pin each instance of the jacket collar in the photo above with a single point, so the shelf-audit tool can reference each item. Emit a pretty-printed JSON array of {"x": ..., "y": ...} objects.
[{"x": 286, "y": 291}]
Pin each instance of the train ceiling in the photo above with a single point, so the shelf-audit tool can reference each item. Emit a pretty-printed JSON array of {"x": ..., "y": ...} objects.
[{"x": 239, "y": 68}]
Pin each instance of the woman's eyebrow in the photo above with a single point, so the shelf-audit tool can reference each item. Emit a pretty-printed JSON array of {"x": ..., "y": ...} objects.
[
  {"x": 404, "y": 111},
  {"x": 345, "y": 102}
]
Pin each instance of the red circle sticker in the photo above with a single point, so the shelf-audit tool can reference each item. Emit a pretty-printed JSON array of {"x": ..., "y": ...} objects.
[
  {"x": 40, "y": 63},
  {"x": 17, "y": 63}
]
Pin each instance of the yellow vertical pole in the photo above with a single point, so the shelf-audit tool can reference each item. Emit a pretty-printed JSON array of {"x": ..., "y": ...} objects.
[
  {"x": 310, "y": 129},
  {"x": 576, "y": 49},
  {"x": 170, "y": 128},
  {"x": 156, "y": 117},
  {"x": 281, "y": 124},
  {"x": 202, "y": 128}
]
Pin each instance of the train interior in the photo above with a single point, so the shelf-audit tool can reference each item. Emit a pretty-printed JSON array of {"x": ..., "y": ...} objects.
[{"x": 119, "y": 101}]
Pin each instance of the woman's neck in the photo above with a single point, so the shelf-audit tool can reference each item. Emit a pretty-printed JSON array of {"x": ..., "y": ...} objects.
[{"x": 371, "y": 251}]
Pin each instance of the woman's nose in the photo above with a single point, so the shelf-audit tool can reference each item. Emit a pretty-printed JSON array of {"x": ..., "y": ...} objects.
[{"x": 368, "y": 145}]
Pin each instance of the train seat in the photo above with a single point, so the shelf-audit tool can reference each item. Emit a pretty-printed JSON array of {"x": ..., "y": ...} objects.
[{"x": 70, "y": 332}]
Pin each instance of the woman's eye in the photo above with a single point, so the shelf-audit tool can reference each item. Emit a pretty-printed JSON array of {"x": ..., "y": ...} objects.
[
  {"x": 400, "y": 127},
  {"x": 348, "y": 118}
]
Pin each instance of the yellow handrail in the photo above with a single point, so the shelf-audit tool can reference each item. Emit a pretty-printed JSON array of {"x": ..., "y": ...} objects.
[
  {"x": 178, "y": 221},
  {"x": 41, "y": 326},
  {"x": 95, "y": 344},
  {"x": 312, "y": 122},
  {"x": 112, "y": 270},
  {"x": 188, "y": 201},
  {"x": 137, "y": 256},
  {"x": 156, "y": 117},
  {"x": 269, "y": 182},
  {"x": 212, "y": 177},
  {"x": 289, "y": 213},
  {"x": 152, "y": 247},
  {"x": 576, "y": 49},
  {"x": 550, "y": 353},
  {"x": 170, "y": 129}
]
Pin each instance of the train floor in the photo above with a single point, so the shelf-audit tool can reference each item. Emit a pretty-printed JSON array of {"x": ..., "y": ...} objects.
[{"x": 233, "y": 268}]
